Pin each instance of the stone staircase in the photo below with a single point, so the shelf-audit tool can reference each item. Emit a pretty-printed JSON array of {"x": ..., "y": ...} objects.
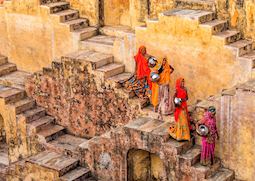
[
  {"x": 70, "y": 18},
  {"x": 68, "y": 169},
  {"x": 188, "y": 154},
  {"x": 219, "y": 31},
  {"x": 196, "y": 4},
  {"x": 51, "y": 136}
]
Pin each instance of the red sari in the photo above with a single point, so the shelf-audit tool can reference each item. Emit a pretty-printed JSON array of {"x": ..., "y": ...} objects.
[
  {"x": 143, "y": 69},
  {"x": 180, "y": 93}
]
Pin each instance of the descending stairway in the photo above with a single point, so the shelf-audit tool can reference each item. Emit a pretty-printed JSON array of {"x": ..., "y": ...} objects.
[
  {"x": 50, "y": 135},
  {"x": 70, "y": 18},
  {"x": 219, "y": 31}
]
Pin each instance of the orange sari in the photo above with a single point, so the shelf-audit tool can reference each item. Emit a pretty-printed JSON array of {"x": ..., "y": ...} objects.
[{"x": 164, "y": 79}]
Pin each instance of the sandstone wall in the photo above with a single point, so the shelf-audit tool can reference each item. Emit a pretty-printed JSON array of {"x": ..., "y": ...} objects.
[
  {"x": 242, "y": 16},
  {"x": 30, "y": 37},
  {"x": 195, "y": 54},
  {"x": 78, "y": 100},
  {"x": 235, "y": 116},
  {"x": 125, "y": 12}
]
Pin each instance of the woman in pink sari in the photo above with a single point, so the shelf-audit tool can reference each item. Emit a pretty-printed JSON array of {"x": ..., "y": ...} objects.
[{"x": 208, "y": 142}]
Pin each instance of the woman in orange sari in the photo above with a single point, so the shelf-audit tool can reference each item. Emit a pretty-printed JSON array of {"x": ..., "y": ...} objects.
[
  {"x": 140, "y": 82},
  {"x": 181, "y": 131},
  {"x": 165, "y": 99}
]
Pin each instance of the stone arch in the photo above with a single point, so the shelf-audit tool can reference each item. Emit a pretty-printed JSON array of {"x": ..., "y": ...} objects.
[{"x": 143, "y": 165}]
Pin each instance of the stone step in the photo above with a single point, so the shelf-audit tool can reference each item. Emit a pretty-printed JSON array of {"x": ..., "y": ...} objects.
[
  {"x": 241, "y": 47},
  {"x": 223, "y": 175},
  {"x": 7, "y": 68},
  {"x": 249, "y": 57},
  {"x": 66, "y": 144},
  {"x": 111, "y": 69},
  {"x": 67, "y": 15},
  {"x": 11, "y": 95},
  {"x": 52, "y": 160},
  {"x": 149, "y": 111},
  {"x": 200, "y": 16},
  {"x": 40, "y": 123},
  {"x": 15, "y": 79},
  {"x": 23, "y": 105},
  {"x": 97, "y": 59},
  {"x": 56, "y": 7},
  {"x": 100, "y": 43},
  {"x": 157, "y": 130},
  {"x": 191, "y": 157},
  {"x": 196, "y": 4},
  {"x": 216, "y": 26},
  {"x": 120, "y": 78},
  {"x": 86, "y": 33},
  {"x": 49, "y": 1},
  {"x": 229, "y": 36},
  {"x": 77, "y": 24},
  {"x": 206, "y": 172},
  {"x": 50, "y": 132},
  {"x": 33, "y": 114},
  {"x": 116, "y": 31},
  {"x": 3, "y": 59},
  {"x": 78, "y": 173}
]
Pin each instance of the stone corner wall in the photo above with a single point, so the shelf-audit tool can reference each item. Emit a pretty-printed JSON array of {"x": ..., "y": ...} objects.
[{"x": 235, "y": 116}]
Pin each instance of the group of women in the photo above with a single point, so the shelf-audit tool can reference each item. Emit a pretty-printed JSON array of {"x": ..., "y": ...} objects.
[{"x": 159, "y": 95}]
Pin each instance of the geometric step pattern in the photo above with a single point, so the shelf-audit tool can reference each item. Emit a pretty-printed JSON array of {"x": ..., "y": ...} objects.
[{"x": 70, "y": 18}]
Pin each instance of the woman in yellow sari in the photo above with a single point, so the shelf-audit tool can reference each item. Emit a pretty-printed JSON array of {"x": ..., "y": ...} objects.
[
  {"x": 161, "y": 95},
  {"x": 181, "y": 130}
]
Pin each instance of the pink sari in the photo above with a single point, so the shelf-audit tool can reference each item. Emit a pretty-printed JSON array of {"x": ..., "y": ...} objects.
[{"x": 208, "y": 143}]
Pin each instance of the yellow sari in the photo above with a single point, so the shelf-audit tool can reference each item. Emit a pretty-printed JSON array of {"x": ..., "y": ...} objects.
[{"x": 164, "y": 79}]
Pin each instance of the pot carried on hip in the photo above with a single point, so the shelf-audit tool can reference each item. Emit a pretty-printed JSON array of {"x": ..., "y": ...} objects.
[{"x": 202, "y": 130}]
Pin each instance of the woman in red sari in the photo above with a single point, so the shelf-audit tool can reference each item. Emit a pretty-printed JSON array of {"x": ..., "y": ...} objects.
[
  {"x": 140, "y": 82},
  {"x": 181, "y": 131}
]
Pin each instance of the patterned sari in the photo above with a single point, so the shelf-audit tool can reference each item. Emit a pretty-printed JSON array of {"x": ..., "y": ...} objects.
[
  {"x": 180, "y": 131},
  {"x": 165, "y": 98},
  {"x": 208, "y": 142}
]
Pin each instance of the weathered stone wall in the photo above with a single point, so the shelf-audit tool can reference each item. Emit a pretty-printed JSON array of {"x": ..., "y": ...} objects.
[
  {"x": 116, "y": 12},
  {"x": 29, "y": 171},
  {"x": 242, "y": 16},
  {"x": 71, "y": 94},
  {"x": 125, "y": 12},
  {"x": 159, "y": 6},
  {"x": 196, "y": 55},
  {"x": 30, "y": 37},
  {"x": 114, "y": 156},
  {"x": 235, "y": 117}
]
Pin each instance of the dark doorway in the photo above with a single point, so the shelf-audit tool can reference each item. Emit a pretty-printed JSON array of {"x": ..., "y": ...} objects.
[{"x": 144, "y": 166}]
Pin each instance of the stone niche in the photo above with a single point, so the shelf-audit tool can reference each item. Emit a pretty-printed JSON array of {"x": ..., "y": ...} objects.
[{"x": 143, "y": 165}]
